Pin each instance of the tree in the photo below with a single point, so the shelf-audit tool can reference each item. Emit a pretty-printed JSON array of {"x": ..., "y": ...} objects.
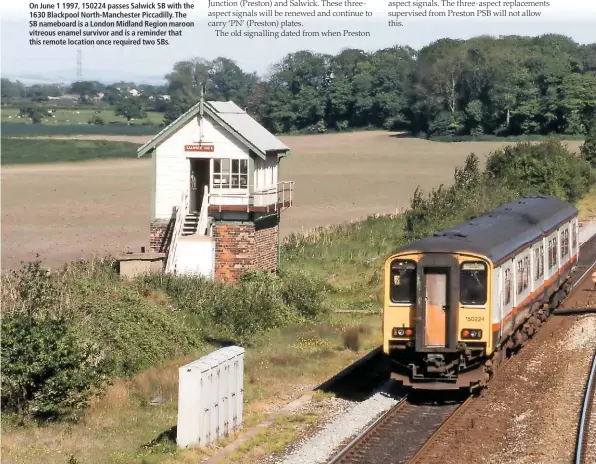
[
  {"x": 588, "y": 149},
  {"x": 223, "y": 78},
  {"x": 130, "y": 108},
  {"x": 34, "y": 113}
]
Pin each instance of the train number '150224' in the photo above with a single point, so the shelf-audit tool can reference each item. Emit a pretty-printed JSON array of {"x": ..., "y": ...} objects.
[{"x": 474, "y": 318}]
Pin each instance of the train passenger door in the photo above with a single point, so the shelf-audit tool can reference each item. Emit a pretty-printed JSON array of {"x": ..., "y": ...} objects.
[{"x": 437, "y": 285}]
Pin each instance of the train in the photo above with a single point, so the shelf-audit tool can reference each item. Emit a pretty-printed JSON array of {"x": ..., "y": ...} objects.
[{"x": 456, "y": 303}]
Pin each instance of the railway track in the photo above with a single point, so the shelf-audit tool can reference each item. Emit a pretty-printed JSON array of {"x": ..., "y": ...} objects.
[
  {"x": 396, "y": 435},
  {"x": 588, "y": 408},
  {"x": 406, "y": 432}
]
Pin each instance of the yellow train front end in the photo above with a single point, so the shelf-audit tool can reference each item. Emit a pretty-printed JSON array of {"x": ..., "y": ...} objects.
[{"x": 437, "y": 319}]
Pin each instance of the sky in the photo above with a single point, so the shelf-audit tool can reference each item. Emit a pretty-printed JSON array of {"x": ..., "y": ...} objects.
[{"x": 150, "y": 64}]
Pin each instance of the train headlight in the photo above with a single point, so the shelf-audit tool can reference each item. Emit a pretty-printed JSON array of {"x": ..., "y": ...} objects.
[
  {"x": 471, "y": 334},
  {"x": 402, "y": 332}
]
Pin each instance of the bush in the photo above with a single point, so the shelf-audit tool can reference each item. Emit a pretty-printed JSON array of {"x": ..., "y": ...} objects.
[
  {"x": 48, "y": 370},
  {"x": 96, "y": 120},
  {"x": 471, "y": 195},
  {"x": 303, "y": 294},
  {"x": 136, "y": 333},
  {"x": 236, "y": 312},
  {"x": 547, "y": 168}
]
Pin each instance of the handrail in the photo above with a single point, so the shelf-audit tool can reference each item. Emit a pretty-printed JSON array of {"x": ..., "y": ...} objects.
[
  {"x": 283, "y": 192},
  {"x": 181, "y": 213},
  {"x": 204, "y": 214}
]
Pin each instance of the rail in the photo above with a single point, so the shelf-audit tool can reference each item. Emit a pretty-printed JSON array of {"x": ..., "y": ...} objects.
[
  {"x": 367, "y": 431},
  {"x": 585, "y": 415},
  {"x": 181, "y": 213},
  {"x": 279, "y": 197},
  {"x": 204, "y": 214}
]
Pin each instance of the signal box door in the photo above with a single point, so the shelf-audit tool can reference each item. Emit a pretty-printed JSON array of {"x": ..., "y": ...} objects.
[{"x": 436, "y": 304}]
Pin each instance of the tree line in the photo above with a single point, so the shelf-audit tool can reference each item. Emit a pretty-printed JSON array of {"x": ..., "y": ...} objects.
[
  {"x": 509, "y": 85},
  {"x": 503, "y": 86}
]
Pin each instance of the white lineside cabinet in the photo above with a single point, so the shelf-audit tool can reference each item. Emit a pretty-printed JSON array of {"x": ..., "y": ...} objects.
[{"x": 210, "y": 397}]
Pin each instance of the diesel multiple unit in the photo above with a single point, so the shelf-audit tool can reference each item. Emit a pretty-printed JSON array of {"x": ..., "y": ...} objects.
[{"x": 456, "y": 301}]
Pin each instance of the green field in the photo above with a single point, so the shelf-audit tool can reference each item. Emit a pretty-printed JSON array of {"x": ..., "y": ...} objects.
[
  {"x": 22, "y": 151},
  {"x": 80, "y": 116}
]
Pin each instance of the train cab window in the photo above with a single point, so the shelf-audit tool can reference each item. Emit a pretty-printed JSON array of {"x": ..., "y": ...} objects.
[
  {"x": 403, "y": 282},
  {"x": 473, "y": 284}
]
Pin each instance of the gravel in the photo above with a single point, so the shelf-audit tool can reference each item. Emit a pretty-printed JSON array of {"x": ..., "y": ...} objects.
[
  {"x": 581, "y": 336},
  {"x": 349, "y": 419},
  {"x": 586, "y": 231}
]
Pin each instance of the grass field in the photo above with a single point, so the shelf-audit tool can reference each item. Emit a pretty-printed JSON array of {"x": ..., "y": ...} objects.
[
  {"x": 70, "y": 210},
  {"x": 79, "y": 116},
  {"x": 26, "y": 151}
]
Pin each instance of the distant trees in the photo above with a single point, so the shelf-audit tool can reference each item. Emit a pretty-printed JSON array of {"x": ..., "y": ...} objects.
[
  {"x": 510, "y": 85},
  {"x": 130, "y": 108},
  {"x": 505, "y": 86}
]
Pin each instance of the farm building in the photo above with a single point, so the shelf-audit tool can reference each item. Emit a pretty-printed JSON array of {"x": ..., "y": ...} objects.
[{"x": 216, "y": 198}]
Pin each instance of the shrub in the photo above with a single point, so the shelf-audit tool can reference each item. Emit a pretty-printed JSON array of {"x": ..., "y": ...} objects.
[
  {"x": 470, "y": 195},
  {"x": 548, "y": 168},
  {"x": 136, "y": 333},
  {"x": 303, "y": 294},
  {"x": 96, "y": 120},
  {"x": 235, "y": 312},
  {"x": 48, "y": 370}
]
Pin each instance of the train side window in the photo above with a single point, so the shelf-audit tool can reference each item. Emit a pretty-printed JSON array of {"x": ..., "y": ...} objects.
[
  {"x": 574, "y": 237},
  {"x": 552, "y": 253},
  {"x": 520, "y": 276},
  {"x": 526, "y": 272},
  {"x": 565, "y": 243},
  {"x": 403, "y": 282},
  {"x": 473, "y": 284},
  {"x": 541, "y": 262},
  {"x": 507, "y": 295}
]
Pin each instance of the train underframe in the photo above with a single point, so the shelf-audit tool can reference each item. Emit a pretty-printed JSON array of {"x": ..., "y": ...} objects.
[{"x": 468, "y": 366}]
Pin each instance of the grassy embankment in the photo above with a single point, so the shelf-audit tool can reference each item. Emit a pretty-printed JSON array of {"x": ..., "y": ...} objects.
[{"x": 149, "y": 326}]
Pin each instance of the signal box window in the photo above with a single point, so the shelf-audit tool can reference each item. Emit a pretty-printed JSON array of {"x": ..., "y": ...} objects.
[
  {"x": 403, "y": 282},
  {"x": 230, "y": 173},
  {"x": 472, "y": 284}
]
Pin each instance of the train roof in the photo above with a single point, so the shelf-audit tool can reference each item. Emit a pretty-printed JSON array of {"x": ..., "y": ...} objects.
[{"x": 499, "y": 233}]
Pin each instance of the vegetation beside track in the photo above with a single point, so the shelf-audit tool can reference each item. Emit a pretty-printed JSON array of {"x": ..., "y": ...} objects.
[{"x": 123, "y": 339}]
